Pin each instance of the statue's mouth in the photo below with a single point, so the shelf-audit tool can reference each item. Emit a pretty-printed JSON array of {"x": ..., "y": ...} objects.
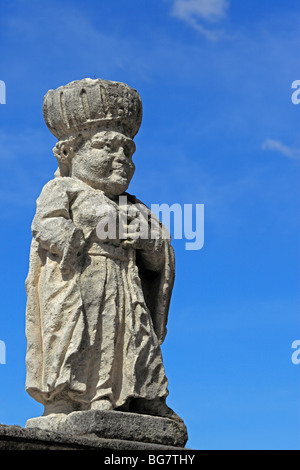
[{"x": 120, "y": 171}]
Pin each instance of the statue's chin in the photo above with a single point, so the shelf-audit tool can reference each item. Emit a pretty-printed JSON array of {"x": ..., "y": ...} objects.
[
  {"x": 117, "y": 185},
  {"x": 115, "y": 188},
  {"x": 113, "y": 185}
]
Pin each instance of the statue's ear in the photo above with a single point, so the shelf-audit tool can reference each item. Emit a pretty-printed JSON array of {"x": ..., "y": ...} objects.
[{"x": 63, "y": 151}]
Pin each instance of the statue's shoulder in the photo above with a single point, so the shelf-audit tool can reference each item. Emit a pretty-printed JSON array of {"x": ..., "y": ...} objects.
[{"x": 62, "y": 184}]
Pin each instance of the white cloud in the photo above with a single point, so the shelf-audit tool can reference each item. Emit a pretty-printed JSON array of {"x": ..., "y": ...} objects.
[
  {"x": 210, "y": 10},
  {"x": 193, "y": 12},
  {"x": 279, "y": 147}
]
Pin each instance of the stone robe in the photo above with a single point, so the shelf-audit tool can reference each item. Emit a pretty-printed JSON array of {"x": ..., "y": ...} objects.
[{"x": 95, "y": 332}]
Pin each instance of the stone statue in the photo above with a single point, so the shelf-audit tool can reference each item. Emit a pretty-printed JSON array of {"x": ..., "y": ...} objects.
[{"x": 97, "y": 308}]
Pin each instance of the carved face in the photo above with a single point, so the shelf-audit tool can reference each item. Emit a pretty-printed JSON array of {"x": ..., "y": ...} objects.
[{"x": 104, "y": 162}]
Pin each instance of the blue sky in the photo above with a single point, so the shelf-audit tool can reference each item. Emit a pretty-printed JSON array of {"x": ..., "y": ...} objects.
[{"x": 219, "y": 129}]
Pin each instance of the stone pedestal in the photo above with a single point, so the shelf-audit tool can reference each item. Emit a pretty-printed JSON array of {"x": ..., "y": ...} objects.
[
  {"x": 115, "y": 426},
  {"x": 18, "y": 438}
]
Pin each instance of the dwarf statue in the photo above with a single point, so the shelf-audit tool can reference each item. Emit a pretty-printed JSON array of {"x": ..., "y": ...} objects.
[{"x": 97, "y": 307}]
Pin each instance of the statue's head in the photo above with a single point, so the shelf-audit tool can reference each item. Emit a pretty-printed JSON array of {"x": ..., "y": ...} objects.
[{"x": 95, "y": 122}]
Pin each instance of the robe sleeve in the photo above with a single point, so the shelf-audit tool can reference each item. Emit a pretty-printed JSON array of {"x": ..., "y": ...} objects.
[
  {"x": 154, "y": 257},
  {"x": 157, "y": 273},
  {"x": 52, "y": 225}
]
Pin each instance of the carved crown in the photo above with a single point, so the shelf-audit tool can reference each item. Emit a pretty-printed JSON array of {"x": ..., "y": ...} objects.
[{"x": 81, "y": 104}]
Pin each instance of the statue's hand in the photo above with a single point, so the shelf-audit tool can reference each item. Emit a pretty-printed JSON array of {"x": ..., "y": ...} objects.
[
  {"x": 133, "y": 236},
  {"x": 137, "y": 239}
]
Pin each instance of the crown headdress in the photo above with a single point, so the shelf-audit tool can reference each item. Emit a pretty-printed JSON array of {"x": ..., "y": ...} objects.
[{"x": 82, "y": 104}]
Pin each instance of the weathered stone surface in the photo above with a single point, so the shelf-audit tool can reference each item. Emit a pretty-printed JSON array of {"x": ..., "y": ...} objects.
[
  {"x": 98, "y": 300},
  {"x": 18, "y": 438},
  {"x": 115, "y": 425},
  {"x": 89, "y": 102}
]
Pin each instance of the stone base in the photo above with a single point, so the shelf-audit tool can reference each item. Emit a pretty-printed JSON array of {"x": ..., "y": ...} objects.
[
  {"x": 18, "y": 438},
  {"x": 115, "y": 426}
]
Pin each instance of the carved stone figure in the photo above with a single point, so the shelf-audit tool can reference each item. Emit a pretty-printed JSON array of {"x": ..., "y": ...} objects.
[{"x": 97, "y": 309}]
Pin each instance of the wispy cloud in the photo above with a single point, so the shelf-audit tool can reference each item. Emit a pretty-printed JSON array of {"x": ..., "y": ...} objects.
[
  {"x": 278, "y": 146},
  {"x": 195, "y": 12},
  {"x": 210, "y": 10}
]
